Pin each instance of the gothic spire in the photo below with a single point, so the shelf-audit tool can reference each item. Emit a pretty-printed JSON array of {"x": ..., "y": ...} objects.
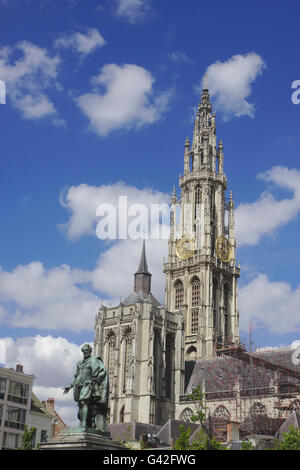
[
  {"x": 143, "y": 266},
  {"x": 142, "y": 278}
]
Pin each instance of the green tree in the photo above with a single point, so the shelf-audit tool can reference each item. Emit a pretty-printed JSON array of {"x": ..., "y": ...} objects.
[
  {"x": 28, "y": 438},
  {"x": 205, "y": 439},
  {"x": 291, "y": 440},
  {"x": 247, "y": 445},
  {"x": 183, "y": 442}
]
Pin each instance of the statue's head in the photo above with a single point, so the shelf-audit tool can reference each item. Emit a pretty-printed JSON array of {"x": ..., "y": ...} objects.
[{"x": 86, "y": 350}]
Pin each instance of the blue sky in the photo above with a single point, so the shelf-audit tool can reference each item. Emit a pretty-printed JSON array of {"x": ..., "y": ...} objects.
[{"x": 100, "y": 98}]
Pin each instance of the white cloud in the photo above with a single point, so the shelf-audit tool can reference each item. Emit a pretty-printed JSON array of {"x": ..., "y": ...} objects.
[
  {"x": 84, "y": 44},
  {"x": 126, "y": 102},
  {"x": 231, "y": 81},
  {"x": 132, "y": 10},
  {"x": 42, "y": 356},
  {"x": 270, "y": 305},
  {"x": 33, "y": 296},
  {"x": 180, "y": 57},
  {"x": 117, "y": 265},
  {"x": 262, "y": 217},
  {"x": 27, "y": 77},
  {"x": 83, "y": 200},
  {"x": 113, "y": 276},
  {"x": 62, "y": 297}
]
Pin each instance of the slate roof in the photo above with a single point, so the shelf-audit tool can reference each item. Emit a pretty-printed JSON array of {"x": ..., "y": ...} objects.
[
  {"x": 220, "y": 373},
  {"x": 141, "y": 296},
  {"x": 37, "y": 407}
]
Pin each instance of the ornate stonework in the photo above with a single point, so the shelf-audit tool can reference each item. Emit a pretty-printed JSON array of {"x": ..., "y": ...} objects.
[{"x": 204, "y": 185}]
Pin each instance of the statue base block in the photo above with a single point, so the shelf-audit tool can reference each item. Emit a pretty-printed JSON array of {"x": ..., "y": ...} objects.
[{"x": 78, "y": 439}]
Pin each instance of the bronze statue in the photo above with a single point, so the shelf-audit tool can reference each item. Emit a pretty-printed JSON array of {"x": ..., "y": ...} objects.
[{"x": 90, "y": 389}]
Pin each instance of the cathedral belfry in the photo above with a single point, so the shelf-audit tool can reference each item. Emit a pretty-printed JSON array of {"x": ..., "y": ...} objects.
[{"x": 201, "y": 272}]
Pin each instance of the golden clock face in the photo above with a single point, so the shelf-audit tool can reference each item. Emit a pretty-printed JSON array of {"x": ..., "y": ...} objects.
[
  {"x": 223, "y": 249},
  {"x": 185, "y": 247}
]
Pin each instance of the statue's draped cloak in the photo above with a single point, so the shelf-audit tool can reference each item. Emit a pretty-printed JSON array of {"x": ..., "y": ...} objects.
[{"x": 91, "y": 381}]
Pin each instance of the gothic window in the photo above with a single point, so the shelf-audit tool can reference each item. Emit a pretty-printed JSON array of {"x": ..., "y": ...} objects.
[
  {"x": 195, "y": 304},
  {"x": 197, "y": 199},
  {"x": 258, "y": 409},
  {"x": 213, "y": 238},
  {"x": 122, "y": 413},
  {"x": 169, "y": 365},
  {"x": 226, "y": 310},
  {"x": 127, "y": 355},
  {"x": 212, "y": 203},
  {"x": 195, "y": 292},
  {"x": 178, "y": 294},
  {"x": 191, "y": 354},
  {"x": 192, "y": 162},
  {"x": 186, "y": 415},
  {"x": 215, "y": 301},
  {"x": 111, "y": 337},
  {"x": 157, "y": 352},
  {"x": 2, "y": 388},
  {"x": 194, "y": 320},
  {"x": 221, "y": 414}
]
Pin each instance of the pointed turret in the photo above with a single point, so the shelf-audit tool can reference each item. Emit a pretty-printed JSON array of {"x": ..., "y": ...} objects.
[
  {"x": 205, "y": 101},
  {"x": 174, "y": 197},
  {"x": 142, "y": 278}
]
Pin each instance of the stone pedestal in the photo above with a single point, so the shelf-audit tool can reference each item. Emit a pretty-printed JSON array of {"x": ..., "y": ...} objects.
[{"x": 78, "y": 439}]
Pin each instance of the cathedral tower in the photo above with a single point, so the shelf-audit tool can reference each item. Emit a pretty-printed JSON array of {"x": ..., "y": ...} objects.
[{"x": 201, "y": 271}]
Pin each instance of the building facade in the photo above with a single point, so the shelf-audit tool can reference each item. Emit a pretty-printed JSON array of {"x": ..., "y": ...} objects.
[
  {"x": 41, "y": 420},
  {"x": 58, "y": 424},
  {"x": 15, "y": 404}
]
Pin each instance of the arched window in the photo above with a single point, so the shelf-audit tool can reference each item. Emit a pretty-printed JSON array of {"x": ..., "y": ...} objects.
[
  {"x": 192, "y": 162},
  {"x": 195, "y": 304},
  {"x": 195, "y": 292},
  {"x": 169, "y": 365},
  {"x": 226, "y": 298},
  {"x": 178, "y": 294},
  {"x": 215, "y": 301},
  {"x": 127, "y": 354},
  {"x": 186, "y": 415},
  {"x": 191, "y": 354},
  {"x": 226, "y": 310},
  {"x": 212, "y": 200},
  {"x": 221, "y": 414},
  {"x": 197, "y": 199},
  {"x": 111, "y": 338},
  {"x": 157, "y": 352},
  {"x": 258, "y": 409},
  {"x": 122, "y": 414}
]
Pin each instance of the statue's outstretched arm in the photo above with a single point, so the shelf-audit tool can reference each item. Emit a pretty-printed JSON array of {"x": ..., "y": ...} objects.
[{"x": 66, "y": 389}]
